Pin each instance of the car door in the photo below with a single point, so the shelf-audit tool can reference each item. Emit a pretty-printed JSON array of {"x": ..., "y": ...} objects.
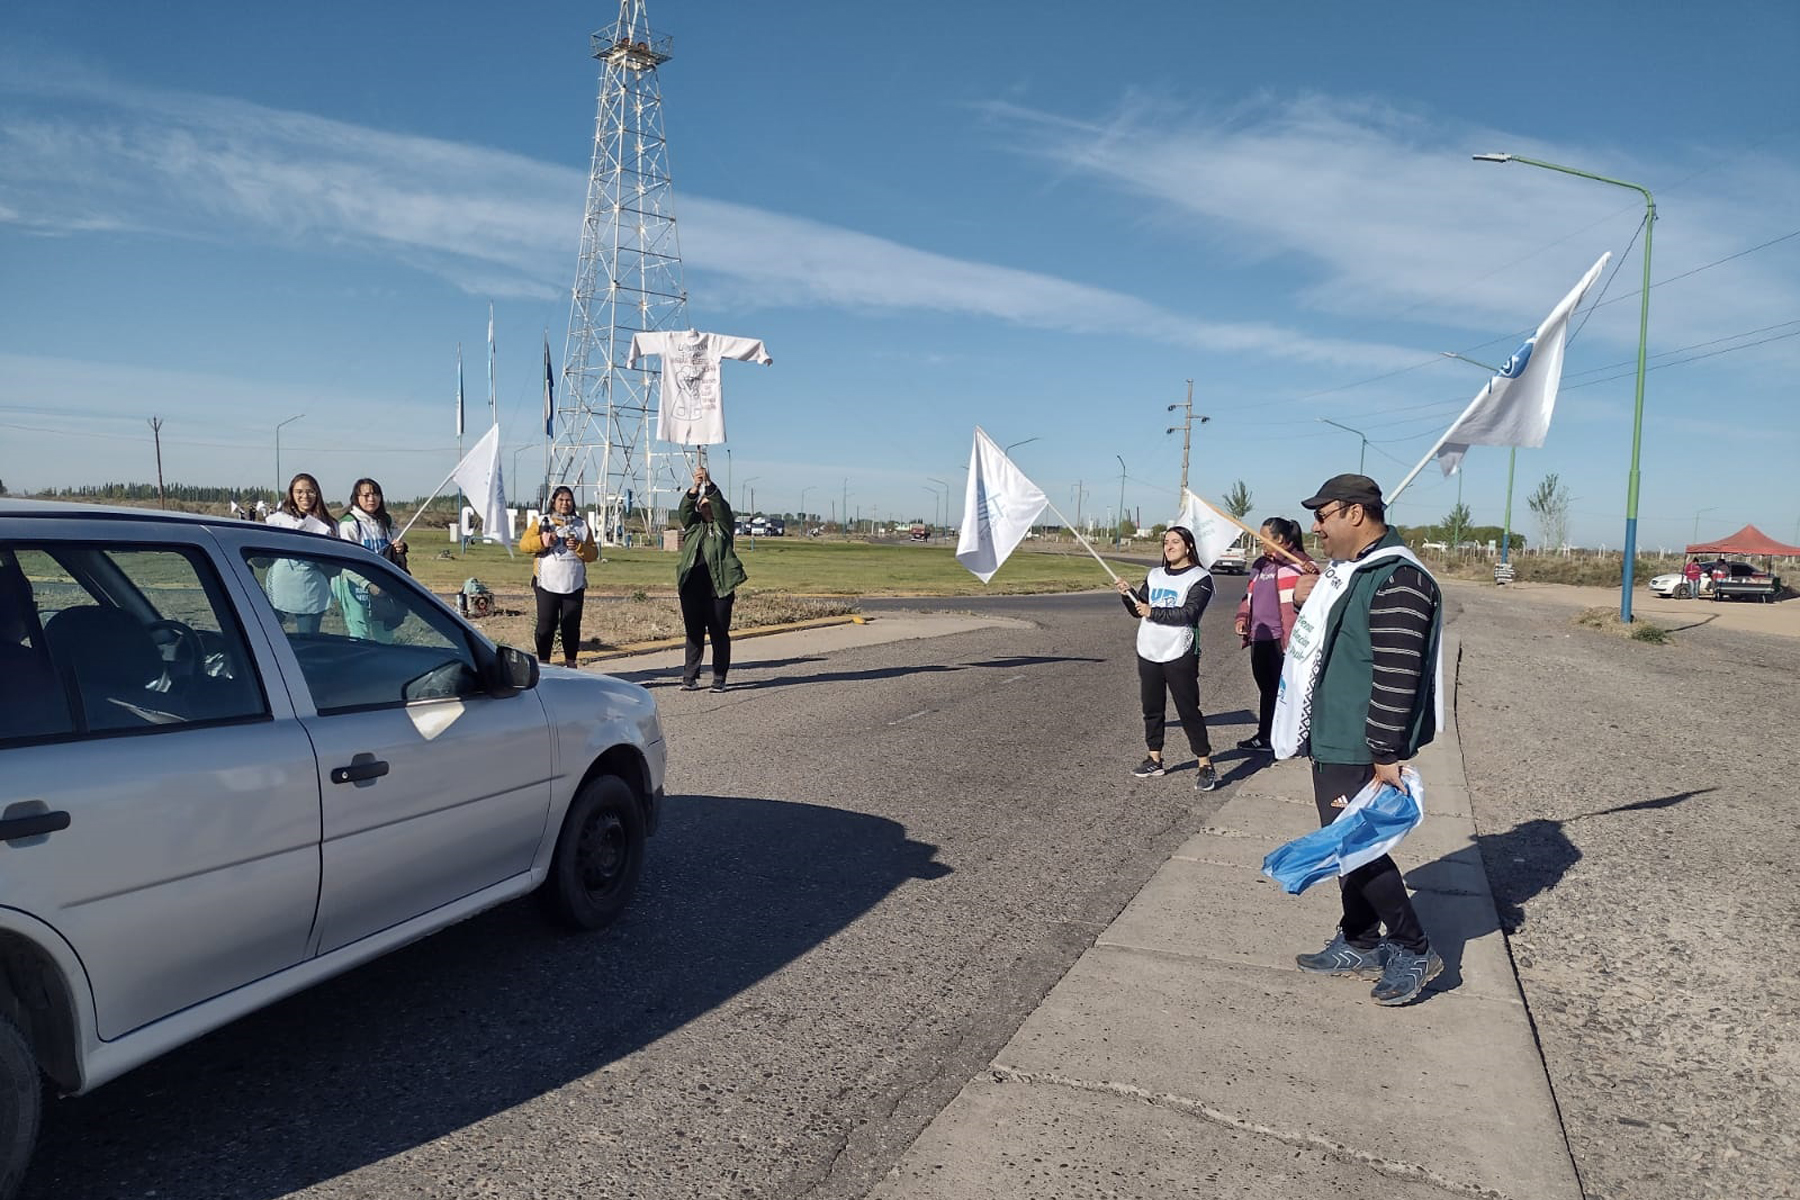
[
  {"x": 159, "y": 799},
  {"x": 432, "y": 789}
]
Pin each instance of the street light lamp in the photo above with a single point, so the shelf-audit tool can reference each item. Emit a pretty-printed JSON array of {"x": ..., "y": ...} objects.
[
  {"x": 1119, "y": 527},
  {"x": 1362, "y": 455},
  {"x": 280, "y": 487},
  {"x": 1637, "y": 418},
  {"x": 1697, "y": 520}
]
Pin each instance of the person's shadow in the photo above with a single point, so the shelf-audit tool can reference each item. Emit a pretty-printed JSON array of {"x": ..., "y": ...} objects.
[
  {"x": 481, "y": 1017},
  {"x": 1520, "y": 863}
]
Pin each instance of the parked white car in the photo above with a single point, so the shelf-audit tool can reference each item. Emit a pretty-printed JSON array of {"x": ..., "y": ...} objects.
[
  {"x": 1673, "y": 584},
  {"x": 206, "y": 806}
]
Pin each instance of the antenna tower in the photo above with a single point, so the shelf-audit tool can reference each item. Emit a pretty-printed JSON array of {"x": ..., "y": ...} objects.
[{"x": 627, "y": 280}]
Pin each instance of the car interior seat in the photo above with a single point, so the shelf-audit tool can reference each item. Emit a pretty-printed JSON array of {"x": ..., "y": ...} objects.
[{"x": 113, "y": 663}]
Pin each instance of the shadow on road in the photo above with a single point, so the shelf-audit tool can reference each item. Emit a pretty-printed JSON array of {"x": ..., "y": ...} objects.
[
  {"x": 1522, "y": 863},
  {"x": 481, "y": 1017}
]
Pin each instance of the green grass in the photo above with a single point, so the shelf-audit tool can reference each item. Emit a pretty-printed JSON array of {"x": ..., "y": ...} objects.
[{"x": 791, "y": 565}]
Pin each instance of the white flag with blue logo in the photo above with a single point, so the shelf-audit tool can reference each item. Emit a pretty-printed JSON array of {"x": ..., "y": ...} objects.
[
  {"x": 1514, "y": 408},
  {"x": 999, "y": 508}
]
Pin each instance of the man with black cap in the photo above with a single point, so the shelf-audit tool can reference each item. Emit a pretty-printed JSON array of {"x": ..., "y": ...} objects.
[{"x": 1360, "y": 694}]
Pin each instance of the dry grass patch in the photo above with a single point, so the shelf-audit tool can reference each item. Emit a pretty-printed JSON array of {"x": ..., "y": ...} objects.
[{"x": 1607, "y": 621}]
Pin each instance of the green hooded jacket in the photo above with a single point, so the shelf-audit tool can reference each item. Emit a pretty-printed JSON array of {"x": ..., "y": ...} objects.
[{"x": 715, "y": 540}]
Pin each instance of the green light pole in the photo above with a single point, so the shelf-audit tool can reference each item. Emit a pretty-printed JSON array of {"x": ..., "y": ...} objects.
[
  {"x": 1361, "y": 456},
  {"x": 1637, "y": 418},
  {"x": 1512, "y": 460}
]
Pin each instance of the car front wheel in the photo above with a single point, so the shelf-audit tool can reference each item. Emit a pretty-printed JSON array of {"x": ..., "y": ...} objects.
[
  {"x": 21, "y": 1107},
  {"x": 599, "y": 856}
]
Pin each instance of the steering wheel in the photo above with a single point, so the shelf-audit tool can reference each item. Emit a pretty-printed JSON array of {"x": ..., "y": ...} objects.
[{"x": 180, "y": 647}]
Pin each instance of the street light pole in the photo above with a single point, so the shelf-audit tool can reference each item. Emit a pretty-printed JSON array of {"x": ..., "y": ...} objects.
[
  {"x": 934, "y": 502},
  {"x": 280, "y": 487},
  {"x": 941, "y": 483},
  {"x": 1119, "y": 526},
  {"x": 1637, "y": 418},
  {"x": 1696, "y": 536},
  {"x": 1363, "y": 455},
  {"x": 1187, "y": 437},
  {"x": 1027, "y": 441},
  {"x": 809, "y": 487}
]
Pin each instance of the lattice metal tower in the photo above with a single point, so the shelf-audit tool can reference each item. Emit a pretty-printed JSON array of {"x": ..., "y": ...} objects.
[{"x": 628, "y": 279}]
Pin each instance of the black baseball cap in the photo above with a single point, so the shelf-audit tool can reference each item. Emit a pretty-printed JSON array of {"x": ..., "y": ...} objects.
[{"x": 1345, "y": 489}]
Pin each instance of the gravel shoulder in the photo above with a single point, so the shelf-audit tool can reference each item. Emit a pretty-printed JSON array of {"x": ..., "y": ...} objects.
[{"x": 1633, "y": 804}]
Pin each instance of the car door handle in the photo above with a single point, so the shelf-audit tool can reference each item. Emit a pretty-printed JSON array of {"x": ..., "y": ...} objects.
[
  {"x": 363, "y": 767},
  {"x": 31, "y": 826}
]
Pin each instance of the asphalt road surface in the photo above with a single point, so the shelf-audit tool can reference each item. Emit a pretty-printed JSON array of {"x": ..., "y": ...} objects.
[{"x": 871, "y": 868}]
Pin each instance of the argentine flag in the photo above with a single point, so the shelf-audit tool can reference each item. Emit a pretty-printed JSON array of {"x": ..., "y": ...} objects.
[{"x": 1372, "y": 823}]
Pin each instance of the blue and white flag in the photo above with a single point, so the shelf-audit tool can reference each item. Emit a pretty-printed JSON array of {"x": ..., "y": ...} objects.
[
  {"x": 1372, "y": 824},
  {"x": 999, "y": 508},
  {"x": 478, "y": 475},
  {"x": 1514, "y": 408}
]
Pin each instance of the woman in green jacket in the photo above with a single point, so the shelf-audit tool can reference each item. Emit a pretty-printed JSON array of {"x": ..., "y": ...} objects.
[{"x": 707, "y": 578}]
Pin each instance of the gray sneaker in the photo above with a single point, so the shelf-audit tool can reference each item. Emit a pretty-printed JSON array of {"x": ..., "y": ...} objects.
[
  {"x": 1405, "y": 976},
  {"x": 1341, "y": 958},
  {"x": 1150, "y": 768},
  {"x": 1206, "y": 778}
]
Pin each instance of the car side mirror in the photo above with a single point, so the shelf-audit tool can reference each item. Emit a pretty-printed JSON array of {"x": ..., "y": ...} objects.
[{"x": 515, "y": 670}]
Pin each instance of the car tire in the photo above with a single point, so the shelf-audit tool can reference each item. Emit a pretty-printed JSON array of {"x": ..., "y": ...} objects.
[
  {"x": 599, "y": 856},
  {"x": 21, "y": 1106}
]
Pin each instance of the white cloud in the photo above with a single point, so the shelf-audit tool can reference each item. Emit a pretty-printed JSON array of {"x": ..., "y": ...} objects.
[
  {"x": 498, "y": 223},
  {"x": 1395, "y": 219}
]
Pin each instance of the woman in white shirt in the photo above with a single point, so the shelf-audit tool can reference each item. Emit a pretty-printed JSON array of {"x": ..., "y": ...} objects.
[
  {"x": 300, "y": 590},
  {"x": 1168, "y": 608},
  {"x": 564, "y": 546}
]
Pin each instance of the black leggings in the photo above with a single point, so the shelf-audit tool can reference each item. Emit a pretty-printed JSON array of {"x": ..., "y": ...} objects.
[
  {"x": 1180, "y": 679},
  {"x": 1265, "y": 668},
  {"x": 704, "y": 614},
  {"x": 1374, "y": 894},
  {"x": 554, "y": 610}
]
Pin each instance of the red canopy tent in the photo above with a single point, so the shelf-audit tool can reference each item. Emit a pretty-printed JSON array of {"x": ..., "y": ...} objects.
[{"x": 1746, "y": 541}]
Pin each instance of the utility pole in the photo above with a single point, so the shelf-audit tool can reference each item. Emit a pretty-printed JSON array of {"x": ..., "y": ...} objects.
[
  {"x": 156, "y": 432},
  {"x": 1079, "y": 490},
  {"x": 1187, "y": 438},
  {"x": 1119, "y": 527}
]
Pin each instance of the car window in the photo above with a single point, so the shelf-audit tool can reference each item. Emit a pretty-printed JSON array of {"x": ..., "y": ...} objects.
[
  {"x": 138, "y": 637},
  {"x": 377, "y": 641}
]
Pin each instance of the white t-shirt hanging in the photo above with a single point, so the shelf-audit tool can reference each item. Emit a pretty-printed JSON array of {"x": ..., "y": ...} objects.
[{"x": 690, "y": 410}]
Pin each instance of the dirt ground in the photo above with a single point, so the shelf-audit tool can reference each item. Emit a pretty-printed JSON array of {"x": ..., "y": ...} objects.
[{"x": 1638, "y": 825}]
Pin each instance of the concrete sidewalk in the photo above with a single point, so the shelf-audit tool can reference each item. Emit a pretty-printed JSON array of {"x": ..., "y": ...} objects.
[{"x": 1185, "y": 1055}]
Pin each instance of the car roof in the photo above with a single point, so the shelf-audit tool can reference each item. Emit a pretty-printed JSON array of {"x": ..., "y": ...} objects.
[{"x": 52, "y": 511}]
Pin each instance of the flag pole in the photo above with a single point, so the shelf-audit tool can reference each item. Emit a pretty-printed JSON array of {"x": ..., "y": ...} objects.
[
  {"x": 1394, "y": 495},
  {"x": 435, "y": 492},
  {"x": 1082, "y": 540}
]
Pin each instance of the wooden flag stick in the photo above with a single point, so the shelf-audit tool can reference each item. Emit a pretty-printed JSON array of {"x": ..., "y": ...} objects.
[{"x": 1083, "y": 541}]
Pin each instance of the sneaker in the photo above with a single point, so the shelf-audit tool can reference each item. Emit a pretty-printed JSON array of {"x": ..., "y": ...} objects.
[
  {"x": 1208, "y": 778},
  {"x": 690, "y": 685},
  {"x": 1339, "y": 957},
  {"x": 1405, "y": 976},
  {"x": 1148, "y": 768},
  {"x": 1259, "y": 744},
  {"x": 717, "y": 686}
]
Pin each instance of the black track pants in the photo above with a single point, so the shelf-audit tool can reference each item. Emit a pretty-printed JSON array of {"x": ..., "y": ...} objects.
[
  {"x": 558, "y": 611},
  {"x": 1180, "y": 679},
  {"x": 1374, "y": 894},
  {"x": 1265, "y": 668},
  {"x": 705, "y": 614}
]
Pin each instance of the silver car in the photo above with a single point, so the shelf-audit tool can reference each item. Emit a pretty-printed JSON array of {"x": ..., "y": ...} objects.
[{"x": 207, "y": 804}]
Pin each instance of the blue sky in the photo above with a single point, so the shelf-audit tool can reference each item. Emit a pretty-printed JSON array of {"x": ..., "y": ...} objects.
[{"x": 935, "y": 215}]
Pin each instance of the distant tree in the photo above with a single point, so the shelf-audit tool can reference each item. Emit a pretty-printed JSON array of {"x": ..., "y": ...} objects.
[
  {"x": 1237, "y": 500},
  {"x": 1550, "y": 505},
  {"x": 1456, "y": 525}
]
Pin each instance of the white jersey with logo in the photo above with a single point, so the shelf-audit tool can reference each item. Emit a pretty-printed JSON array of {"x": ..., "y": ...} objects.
[
  {"x": 1188, "y": 589},
  {"x": 690, "y": 410}
]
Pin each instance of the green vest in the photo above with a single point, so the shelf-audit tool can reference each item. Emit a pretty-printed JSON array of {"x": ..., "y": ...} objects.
[{"x": 1340, "y": 707}]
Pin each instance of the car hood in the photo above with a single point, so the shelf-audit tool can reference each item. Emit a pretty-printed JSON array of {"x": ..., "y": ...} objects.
[{"x": 590, "y": 697}]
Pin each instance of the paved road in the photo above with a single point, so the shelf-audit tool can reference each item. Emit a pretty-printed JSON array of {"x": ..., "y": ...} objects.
[{"x": 873, "y": 865}]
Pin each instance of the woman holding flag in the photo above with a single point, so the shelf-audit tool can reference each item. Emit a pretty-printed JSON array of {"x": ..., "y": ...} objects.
[{"x": 1168, "y": 608}]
